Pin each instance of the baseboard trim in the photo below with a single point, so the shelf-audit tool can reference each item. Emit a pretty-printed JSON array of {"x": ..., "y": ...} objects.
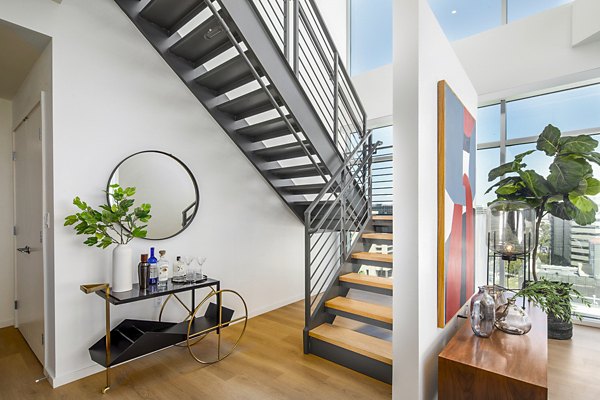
[
  {"x": 7, "y": 322},
  {"x": 279, "y": 304},
  {"x": 58, "y": 381},
  {"x": 93, "y": 369}
]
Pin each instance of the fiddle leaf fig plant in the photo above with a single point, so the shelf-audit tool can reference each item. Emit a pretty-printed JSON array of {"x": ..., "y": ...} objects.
[
  {"x": 565, "y": 192},
  {"x": 111, "y": 224}
]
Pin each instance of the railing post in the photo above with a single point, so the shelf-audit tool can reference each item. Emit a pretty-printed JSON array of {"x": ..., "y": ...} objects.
[
  {"x": 286, "y": 29},
  {"x": 370, "y": 179},
  {"x": 307, "y": 224},
  {"x": 336, "y": 63},
  {"x": 296, "y": 36},
  {"x": 342, "y": 219}
]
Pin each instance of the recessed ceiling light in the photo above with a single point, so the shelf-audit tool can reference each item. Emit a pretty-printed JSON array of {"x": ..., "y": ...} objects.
[{"x": 453, "y": 11}]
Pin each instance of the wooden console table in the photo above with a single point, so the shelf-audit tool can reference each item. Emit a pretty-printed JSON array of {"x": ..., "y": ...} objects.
[{"x": 500, "y": 367}]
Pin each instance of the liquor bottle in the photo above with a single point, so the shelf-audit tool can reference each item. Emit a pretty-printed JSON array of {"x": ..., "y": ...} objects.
[
  {"x": 143, "y": 271},
  {"x": 179, "y": 271},
  {"x": 163, "y": 269},
  {"x": 153, "y": 275}
]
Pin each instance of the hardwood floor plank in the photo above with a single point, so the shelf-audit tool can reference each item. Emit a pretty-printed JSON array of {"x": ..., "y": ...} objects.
[{"x": 268, "y": 364}]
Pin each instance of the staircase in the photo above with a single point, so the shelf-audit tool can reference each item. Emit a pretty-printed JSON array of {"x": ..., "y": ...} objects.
[
  {"x": 270, "y": 75},
  {"x": 350, "y": 322}
]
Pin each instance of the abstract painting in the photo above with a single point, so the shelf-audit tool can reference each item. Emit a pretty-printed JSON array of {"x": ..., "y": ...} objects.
[{"x": 456, "y": 214}]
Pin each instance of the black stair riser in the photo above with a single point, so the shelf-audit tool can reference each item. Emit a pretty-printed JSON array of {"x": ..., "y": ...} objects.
[
  {"x": 357, "y": 362},
  {"x": 359, "y": 318},
  {"x": 365, "y": 288}
]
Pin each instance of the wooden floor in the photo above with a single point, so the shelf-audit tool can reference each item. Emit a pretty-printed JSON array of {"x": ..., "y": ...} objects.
[
  {"x": 268, "y": 364},
  {"x": 574, "y": 366}
]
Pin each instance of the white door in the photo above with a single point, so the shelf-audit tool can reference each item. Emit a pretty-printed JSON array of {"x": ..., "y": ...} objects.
[{"x": 29, "y": 226}]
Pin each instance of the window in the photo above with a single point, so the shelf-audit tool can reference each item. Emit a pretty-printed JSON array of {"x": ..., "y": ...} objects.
[
  {"x": 567, "y": 252},
  {"x": 569, "y": 110},
  {"x": 370, "y": 34},
  {"x": 518, "y": 9},
  {"x": 462, "y": 18}
]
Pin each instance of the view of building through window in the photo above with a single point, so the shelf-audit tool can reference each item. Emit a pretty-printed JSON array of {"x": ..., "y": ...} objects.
[{"x": 567, "y": 252}]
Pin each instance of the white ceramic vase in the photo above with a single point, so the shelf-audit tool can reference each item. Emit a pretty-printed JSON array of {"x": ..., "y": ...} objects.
[{"x": 122, "y": 271}]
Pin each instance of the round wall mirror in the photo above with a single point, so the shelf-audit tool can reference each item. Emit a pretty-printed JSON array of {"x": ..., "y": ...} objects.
[{"x": 166, "y": 184}]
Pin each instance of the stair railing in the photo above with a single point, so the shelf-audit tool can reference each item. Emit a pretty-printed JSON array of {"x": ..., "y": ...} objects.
[
  {"x": 314, "y": 159},
  {"x": 300, "y": 31},
  {"x": 334, "y": 222}
]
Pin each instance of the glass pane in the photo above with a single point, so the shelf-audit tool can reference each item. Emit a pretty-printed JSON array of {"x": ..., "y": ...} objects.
[
  {"x": 385, "y": 136},
  {"x": 488, "y": 124},
  {"x": 486, "y": 160},
  {"x": 568, "y": 110},
  {"x": 370, "y": 34},
  {"x": 518, "y": 9},
  {"x": 462, "y": 18},
  {"x": 567, "y": 252}
]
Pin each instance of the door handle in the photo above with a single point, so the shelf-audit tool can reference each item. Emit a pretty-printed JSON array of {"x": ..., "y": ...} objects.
[{"x": 26, "y": 249}]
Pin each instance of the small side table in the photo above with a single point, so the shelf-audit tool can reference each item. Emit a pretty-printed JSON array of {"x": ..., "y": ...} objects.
[{"x": 135, "y": 338}]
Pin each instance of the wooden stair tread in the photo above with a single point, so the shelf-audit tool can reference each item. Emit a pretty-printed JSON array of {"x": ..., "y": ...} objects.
[
  {"x": 383, "y": 217},
  {"x": 364, "y": 255},
  {"x": 378, "y": 236},
  {"x": 367, "y": 280},
  {"x": 368, "y": 346},
  {"x": 361, "y": 308}
]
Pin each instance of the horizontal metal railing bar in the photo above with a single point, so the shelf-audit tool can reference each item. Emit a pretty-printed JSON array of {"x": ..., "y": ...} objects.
[
  {"x": 330, "y": 40},
  {"x": 329, "y": 101},
  {"x": 340, "y": 170}
]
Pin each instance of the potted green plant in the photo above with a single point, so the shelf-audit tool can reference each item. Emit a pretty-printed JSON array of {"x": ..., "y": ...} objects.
[
  {"x": 555, "y": 299},
  {"x": 564, "y": 193},
  {"x": 113, "y": 223}
]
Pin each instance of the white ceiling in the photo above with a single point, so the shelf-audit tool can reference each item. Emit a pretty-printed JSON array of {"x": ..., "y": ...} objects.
[{"x": 19, "y": 49}]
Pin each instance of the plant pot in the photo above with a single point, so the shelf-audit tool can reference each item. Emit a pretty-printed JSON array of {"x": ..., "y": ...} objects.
[
  {"x": 122, "y": 268},
  {"x": 559, "y": 329}
]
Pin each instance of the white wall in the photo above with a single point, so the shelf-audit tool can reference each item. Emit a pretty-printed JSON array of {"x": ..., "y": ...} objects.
[
  {"x": 7, "y": 248},
  {"x": 112, "y": 96},
  {"x": 528, "y": 55},
  {"x": 433, "y": 47},
  {"x": 422, "y": 57},
  {"x": 585, "y": 21},
  {"x": 335, "y": 14},
  {"x": 376, "y": 94}
]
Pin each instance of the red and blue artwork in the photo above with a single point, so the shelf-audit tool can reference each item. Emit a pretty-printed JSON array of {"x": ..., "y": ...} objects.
[{"x": 456, "y": 214}]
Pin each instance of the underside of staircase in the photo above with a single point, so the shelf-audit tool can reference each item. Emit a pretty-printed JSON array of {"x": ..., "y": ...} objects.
[
  {"x": 355, "y": 329},
  {"x": 230, "y": 61}
]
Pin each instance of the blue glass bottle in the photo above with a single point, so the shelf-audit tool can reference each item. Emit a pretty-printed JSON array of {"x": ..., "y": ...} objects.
[{"x": 153, "y": 270}]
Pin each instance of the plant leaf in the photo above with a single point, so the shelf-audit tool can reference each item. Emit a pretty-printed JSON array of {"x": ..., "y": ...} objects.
[
  {"x": 536, "y": 183},
  {"x": 499, "y": 171},
  {"x": 593, "y": 186},
  {"x": 566, "y": 173},
  {"x": 577, "y": 144},
  {"x": 548, "y": 141}
]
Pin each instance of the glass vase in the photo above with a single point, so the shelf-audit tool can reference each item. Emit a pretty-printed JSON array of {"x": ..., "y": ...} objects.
[
  {"x": 483, "y": 312},
  {"x": 509, "y": 224},
  {"x": 513, "y": 319}
]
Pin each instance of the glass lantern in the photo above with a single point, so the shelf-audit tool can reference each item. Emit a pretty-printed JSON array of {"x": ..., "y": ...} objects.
[{"x": 510, "y": 224}]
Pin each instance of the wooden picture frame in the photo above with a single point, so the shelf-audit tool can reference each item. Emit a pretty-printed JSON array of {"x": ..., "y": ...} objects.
[{"x": 456, "y": 214}]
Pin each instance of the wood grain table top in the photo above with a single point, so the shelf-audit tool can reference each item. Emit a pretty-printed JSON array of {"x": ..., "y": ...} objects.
[{"x": 520, "y": 357}]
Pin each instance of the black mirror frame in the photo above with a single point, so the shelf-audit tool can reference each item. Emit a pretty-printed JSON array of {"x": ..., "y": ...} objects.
[{"x": 196, "y": 190}]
